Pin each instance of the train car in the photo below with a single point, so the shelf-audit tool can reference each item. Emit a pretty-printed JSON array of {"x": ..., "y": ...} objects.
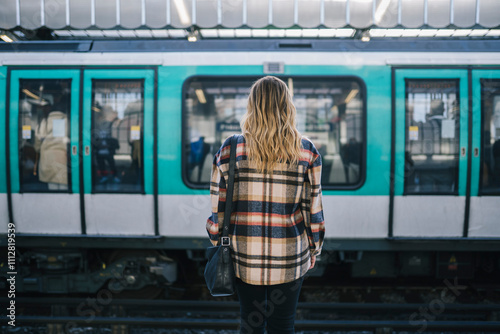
[{"x": 108, "y": 147}]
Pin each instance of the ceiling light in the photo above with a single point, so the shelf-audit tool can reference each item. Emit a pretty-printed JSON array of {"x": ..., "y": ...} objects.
[
  {"x": 365, "y": 36},
  {"x": 226, "y": 33},
  {"x": 394, "y": 32},
  {"x": 444, "y": 32},
  {"x": 94, "y": 33},
  {"x": 209, "y": 33},
  {"x": 377, "y": 32},
  {"x": 159, "y": 33},
  {"x": 293, "y": 32},
  {"x": 177, "y": 33},
  {"x": 63, "y": 33},
  {"x": 193, "y": 36},
  {"x": 30, "y": 94},
  {"x": 411, "y": 33},
  {"x": 310, "y": 33},
  {"x": 327, "y": 32},
  {"x": 200, "y": 95},
  {"x": 427, "y": 33},
  {"x": 494, "y": 32},
  {"x": 351, "y": 95},
  {"x": 111, "y": 33},
  {"x": 478, "y": 32},
  {"x": 243, "y": 33},
  {"x": 6, "y": 39},
  {"x": 127, "y": 33},
  {"x": 143, "y": 33},
  {"x": 260, "y": 32},
  {"x": 276, "y": 33},
  {"x": 345, "y": 32},
  {"x": 462, "y": 32}
]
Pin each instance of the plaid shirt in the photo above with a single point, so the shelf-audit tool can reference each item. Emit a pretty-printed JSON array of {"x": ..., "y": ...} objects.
[{"x": 276, "y": 219}]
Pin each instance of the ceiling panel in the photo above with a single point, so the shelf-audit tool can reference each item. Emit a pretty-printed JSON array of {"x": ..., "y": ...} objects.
[
  {"x": 171, "y": 14},
  {"x": 283, "y": 13},
  {"x": 55, "y": 14},
  {"x": 258, "y": 13},
  {"x": 206, "y": 13},
  {"x": 79, "y": 13},
  {"x": 156, "y": 13},
  {"x": 131, "y": 13},
  {"x": 361, "y": 13},
  {"x": 232, "y": 13},
  {"x": 464, "y": 13},
  {"x": 105, "y": 14},
  {"x": 438, "y": 13},
  {"x": 8, "y": 14},
  {"x": 489, "y": 13},
  {"x": 31, "y": 16},
  {"x": 412, "y": 13},
  {"x": 309, "y": 13}
]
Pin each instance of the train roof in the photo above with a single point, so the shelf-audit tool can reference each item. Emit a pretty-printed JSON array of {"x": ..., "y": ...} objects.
[
  {"x": 184, "y": 14},
  {"x": 256, "y": 45}
]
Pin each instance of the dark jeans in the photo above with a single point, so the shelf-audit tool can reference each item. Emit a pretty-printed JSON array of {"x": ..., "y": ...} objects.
[{"x": 274, "y": 304}]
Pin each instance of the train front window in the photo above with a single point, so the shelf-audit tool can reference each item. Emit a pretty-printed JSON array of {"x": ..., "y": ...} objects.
[
  {"x": 44, "y": 132},
  {"x": 330, "y": 112},
  {"x": 117, "y": 136},
  {"x": 432, "y": 137},
  {"x": 490, "y": 153}
]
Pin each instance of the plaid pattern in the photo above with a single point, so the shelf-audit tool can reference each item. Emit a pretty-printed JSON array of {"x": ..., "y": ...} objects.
[{"x": 276, "y": 220}]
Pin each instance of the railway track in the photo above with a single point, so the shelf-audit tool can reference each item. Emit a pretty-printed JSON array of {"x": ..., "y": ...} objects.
[{"x": 73, "y": 315}]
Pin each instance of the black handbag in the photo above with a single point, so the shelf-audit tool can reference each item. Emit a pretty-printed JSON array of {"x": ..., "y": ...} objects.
[{"x": 219, "y": 272}]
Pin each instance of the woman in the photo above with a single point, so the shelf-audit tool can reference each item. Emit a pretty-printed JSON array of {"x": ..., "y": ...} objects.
[{"x": 277, "y": 226}]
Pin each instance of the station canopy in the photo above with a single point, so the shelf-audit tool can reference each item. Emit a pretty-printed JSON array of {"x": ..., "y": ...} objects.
[{"x": 117, "y": 19}]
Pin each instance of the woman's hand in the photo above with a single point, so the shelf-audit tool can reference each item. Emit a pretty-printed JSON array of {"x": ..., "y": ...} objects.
[{"x": 313, "y": 262}]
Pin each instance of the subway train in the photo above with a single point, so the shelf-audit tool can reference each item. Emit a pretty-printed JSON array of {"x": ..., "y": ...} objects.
[{"x": 106, "y": 151}]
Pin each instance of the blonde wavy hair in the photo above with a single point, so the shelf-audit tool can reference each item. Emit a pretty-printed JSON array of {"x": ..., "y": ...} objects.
[{"x": 269, "y": 125}]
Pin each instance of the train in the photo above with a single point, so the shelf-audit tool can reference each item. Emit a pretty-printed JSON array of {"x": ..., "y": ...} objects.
[{"x": 106, "y": 151}]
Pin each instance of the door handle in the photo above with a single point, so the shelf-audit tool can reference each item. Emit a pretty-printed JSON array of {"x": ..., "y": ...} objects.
[
  {"x": 87, "y": 150},
  {"x": 74, "y": 149},
  {"x": 476, "y": 152},
  {"x": 463, "y": 151}
]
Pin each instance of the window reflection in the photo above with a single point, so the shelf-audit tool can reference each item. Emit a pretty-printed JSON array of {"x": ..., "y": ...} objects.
[
  {"x": 117, "y": 117},
  {"x": 432, "y": 136},
  {"x": 44, "y": 109},
  {"x": 330, "y": 112},
  {"x": 490, "y": 105}
]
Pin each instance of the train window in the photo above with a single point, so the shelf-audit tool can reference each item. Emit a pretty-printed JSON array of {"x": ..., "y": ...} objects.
[
  {"x": 490, "y": 165},
  {"x": 432, "y": 136},
  {"x": 44, "y": 111},
  {"x": 117, "y": 136},
  {"x": 330, "y": 111}
]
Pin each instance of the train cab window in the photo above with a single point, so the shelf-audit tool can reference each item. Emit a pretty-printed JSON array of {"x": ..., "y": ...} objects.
[
  {"x": 44, "y": 132},
  {"x": 490, "y": 164},
  {"x": 117, "y": 136},
  {"x": 432, "y": 137},
  {"x": 330, "y": 111}
]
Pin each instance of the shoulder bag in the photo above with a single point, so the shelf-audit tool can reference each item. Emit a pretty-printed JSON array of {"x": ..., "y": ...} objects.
[{"x": 219, "y": 272}]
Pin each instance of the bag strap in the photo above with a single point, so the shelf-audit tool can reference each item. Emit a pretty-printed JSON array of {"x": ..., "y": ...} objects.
[{"x": 229, "y": 192}]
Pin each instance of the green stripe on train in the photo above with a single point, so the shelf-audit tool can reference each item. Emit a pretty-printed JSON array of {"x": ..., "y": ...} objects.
[
  {"x": 3, "y": 176},
  {"x": 378, "y": 85}
]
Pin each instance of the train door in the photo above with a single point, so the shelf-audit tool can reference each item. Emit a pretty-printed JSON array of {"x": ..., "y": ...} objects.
[
  {"x": 4, "y": 213},
  {"x": 485, "y": 173},
  {"x": 43, "y": 150},
  {"x": 430, "y": 152},
  {"x": 118, "y": 151}
]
